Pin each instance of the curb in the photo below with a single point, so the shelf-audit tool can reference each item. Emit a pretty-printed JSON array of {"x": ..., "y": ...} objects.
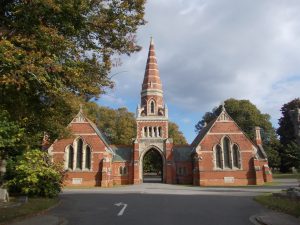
[{"x": 256, "y": 221}]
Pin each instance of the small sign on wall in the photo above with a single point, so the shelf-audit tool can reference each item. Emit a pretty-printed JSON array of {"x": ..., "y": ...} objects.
[
  {"x": 228, "y": 180},
  {"x": 76, "y": 180}
]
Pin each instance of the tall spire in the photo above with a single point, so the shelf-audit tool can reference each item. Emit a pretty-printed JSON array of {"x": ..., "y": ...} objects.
[
  {"x": 152, "y": 103},
  {"x": 151, "y": 77}
]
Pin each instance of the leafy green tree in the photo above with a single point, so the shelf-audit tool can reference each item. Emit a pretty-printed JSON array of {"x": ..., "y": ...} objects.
[
  {"x": 272, "y": 148},
  {"x": 247, "y": 116},
  {"x": 207, "y": 117},
  {"x": 290, "y": 156},
  {"x": 286, "y": 130},
  {"x": 288, "y": 151},
  {"x": 176, "y": 134},
  {"x": 36, "y": 175},
  {"x": 10, "y": 135},
  {"x": 118, "y": 125},
  {"x": 55, "y": 54}
]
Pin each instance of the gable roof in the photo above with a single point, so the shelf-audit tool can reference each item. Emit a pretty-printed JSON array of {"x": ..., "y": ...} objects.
[
  {"x": 82, "y": 126},
  {"x": 260, "y": 151}
]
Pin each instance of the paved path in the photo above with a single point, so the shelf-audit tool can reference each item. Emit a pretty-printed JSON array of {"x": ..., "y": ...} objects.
[
  {"x": 151, "y": 209},
  {"x": 159, "y": 188},
  {"x": 164, "y": 204}
]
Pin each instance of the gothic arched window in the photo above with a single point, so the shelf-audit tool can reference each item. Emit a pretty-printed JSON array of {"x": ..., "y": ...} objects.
[
  {"x": 79, "y": 154},
  {"x": 218, "y": 157},
  {"x": 70, "y": 157},
  {"x": 226, "y": 151},
  {"x": 236, "y": 156},
  {"x": 227, "y": 155},
  {"x": 88, "y": 158},
  {"x": 152, "y": 107}
]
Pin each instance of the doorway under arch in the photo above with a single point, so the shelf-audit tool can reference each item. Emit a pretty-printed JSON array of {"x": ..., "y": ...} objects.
[{"x": 153, "y": 166}]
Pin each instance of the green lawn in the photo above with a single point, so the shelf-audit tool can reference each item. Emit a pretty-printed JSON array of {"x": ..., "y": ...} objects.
[
  {"x": 288, "y": 206},
  {"x": 286, "y": 175},
  {"x": 33, "y": 206}
]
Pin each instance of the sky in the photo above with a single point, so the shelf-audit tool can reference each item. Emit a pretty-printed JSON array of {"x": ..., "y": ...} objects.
[{"x": 212, "y": 50}]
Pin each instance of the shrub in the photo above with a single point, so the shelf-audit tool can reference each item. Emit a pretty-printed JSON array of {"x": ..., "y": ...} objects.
[{"x": 36, "y": 175}]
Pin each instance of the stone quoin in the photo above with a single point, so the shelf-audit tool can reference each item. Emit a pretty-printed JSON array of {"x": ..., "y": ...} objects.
[{"x": 221, "y": 154}]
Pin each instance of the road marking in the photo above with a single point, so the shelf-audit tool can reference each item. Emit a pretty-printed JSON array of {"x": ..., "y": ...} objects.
[{"x": 123, "y": 209}]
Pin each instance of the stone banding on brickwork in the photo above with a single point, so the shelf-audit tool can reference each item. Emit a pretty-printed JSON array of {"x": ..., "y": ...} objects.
[{"x": 239, "y": 162}]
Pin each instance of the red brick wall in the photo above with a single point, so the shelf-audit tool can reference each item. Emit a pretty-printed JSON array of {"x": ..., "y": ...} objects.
[
  {"x": 207, "y": 175},
  {"x": 186, "y": 178},
  {"x": 119, "y": 179}
]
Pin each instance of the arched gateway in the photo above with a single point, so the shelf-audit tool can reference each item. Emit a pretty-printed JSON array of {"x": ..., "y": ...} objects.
[{"x": 152, "y": 166}]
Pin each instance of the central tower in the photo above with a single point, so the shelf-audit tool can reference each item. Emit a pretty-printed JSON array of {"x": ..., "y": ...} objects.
[{"x": 152, "y": 122}]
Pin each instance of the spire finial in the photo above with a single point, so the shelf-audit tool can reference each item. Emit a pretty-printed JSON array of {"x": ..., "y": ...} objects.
[
  {"x": 80, "y": 109},
  {"x": 151, "y": 41}
]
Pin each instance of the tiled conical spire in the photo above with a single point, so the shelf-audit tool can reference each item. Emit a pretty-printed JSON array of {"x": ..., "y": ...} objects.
[
  {"x": 151, "y": 78},
  {"x": 152, "y": 103}
]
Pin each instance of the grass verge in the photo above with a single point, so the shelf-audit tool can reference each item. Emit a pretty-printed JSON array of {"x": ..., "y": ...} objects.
[
  {"x": 288, "y": 206},
  {"x": 33, "y": 206},
  {"x": 286, "y": 175}
]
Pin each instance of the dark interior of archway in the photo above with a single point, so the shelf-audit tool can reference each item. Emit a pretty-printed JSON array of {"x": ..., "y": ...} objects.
[{"x": 152, "y": 167}]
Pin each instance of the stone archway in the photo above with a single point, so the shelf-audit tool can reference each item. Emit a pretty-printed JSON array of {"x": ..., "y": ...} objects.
[{"x": 152, "y": 170}]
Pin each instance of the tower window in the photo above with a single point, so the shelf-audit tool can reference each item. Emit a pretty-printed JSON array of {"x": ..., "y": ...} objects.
[
  {"x": 152, "y": 107},
  {"x": 159, "y": 132}
]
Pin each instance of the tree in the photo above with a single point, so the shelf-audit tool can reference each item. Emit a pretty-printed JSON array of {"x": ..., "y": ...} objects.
[
  {"x": 289, "y": 150},
  {"x": 176, "y": 134},
  {"x": 10, "y": 135},
  {"x": 290, "y": 156},
  {"x": 286, "y": 130},
  {"x": 55, "y": 54},
  {"x": 36, "y": 175},
  {"x": 247, "y": 116},
  {"x": 208, "y": 116},
  {"x": 118, "y": 125}
]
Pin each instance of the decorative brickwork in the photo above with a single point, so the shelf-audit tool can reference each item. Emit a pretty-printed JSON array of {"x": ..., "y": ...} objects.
[{"x": 221, "y": 154}]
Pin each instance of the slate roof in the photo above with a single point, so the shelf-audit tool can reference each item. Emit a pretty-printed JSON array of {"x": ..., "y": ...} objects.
[
  {"x": 123, "y": 153},
  {"x": 99, "y": 133},
  {"x": 261, "y": 152},
  {"x": 182, "y": 153}
]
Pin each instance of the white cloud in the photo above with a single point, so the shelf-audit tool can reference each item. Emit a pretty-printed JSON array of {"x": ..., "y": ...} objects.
[
  {"x": 186, "y": 120},
  {"x": 211, "y": 50}
]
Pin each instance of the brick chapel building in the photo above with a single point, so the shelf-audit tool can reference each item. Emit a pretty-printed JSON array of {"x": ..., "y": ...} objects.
[{"x": 221, "y": 154}]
